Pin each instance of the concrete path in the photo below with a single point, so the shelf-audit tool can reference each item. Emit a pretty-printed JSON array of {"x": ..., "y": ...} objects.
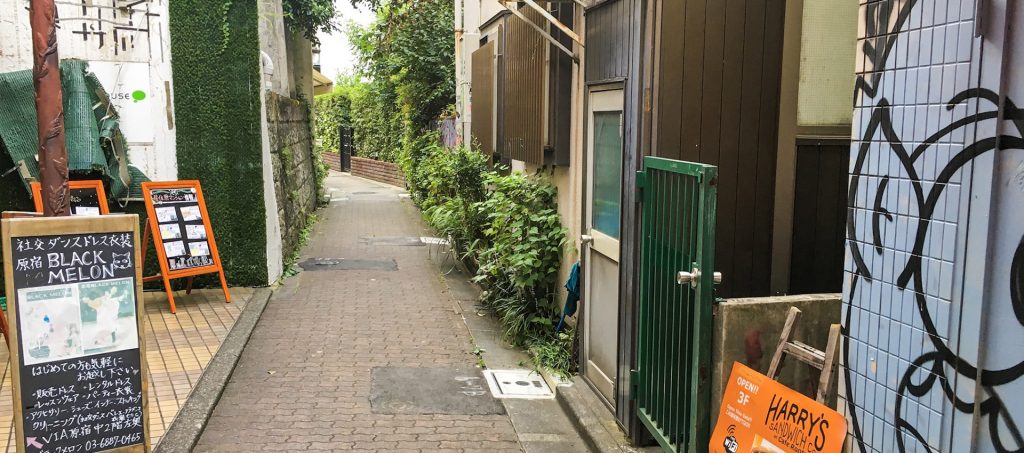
[{"x": 320, "y": 370}]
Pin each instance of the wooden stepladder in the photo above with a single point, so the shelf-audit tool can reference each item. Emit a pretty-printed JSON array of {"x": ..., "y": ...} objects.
[{"x": 822, "y": 360}]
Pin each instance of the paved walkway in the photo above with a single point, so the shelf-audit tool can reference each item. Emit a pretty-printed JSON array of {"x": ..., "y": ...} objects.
[
  {"x": 305, "y": 378},
  {"x": 178, "y": 349}
]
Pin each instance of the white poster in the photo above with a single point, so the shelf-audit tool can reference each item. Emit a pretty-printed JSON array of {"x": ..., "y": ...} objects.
[
  {"x": 196, "y": 231},
  {"x": 175, "y": 248},
  {"x": 198, "y": 249},
  {"x": 166, "y": 215},
  {"x": 170, "y": 231},
  {"x": 129, "y": 90}
]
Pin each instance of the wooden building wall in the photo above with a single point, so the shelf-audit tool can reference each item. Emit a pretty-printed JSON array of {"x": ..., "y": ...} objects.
[
  {"x": 819, "y": 213},
  {"x": 717, "y": 84}
]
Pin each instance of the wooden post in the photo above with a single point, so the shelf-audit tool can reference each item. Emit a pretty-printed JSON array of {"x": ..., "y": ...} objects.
[{"x": 53, "y": 156}]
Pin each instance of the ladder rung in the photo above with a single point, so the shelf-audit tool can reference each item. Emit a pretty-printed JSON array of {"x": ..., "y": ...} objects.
[{"x": 806, "y": 354}]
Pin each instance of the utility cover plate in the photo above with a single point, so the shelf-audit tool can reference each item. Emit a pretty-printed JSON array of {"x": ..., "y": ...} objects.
[
  {"x": 453, "y": 391},
  {"x": 524, "y": 384}
]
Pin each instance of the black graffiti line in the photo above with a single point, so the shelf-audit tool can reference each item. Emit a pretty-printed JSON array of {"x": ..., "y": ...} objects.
[
  {"x": 1017, "y": 282},
  {"x": 876, "y": 218},
  {"x": 851, "y": 398},
  {"x": 878, "y": 59}
]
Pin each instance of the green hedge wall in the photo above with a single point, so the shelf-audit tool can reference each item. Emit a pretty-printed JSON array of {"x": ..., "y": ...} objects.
[{"x": 215, "y": 57}]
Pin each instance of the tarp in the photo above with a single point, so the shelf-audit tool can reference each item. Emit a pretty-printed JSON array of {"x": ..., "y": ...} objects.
[{"x": 92, "y": 135}]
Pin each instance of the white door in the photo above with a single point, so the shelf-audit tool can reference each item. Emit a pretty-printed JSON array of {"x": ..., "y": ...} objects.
[{"x": 601, "y": 241}]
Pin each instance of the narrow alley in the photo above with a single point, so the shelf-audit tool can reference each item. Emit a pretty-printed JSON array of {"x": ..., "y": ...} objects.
[{"x": 370, "y": 309}]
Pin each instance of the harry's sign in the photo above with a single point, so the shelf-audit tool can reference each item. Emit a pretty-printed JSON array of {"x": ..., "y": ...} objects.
[{"x": 761, "y": 415}]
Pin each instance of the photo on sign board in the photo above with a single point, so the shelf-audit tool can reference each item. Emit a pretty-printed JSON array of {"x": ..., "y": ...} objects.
[
  {"x": 108, "y": 315},
  {"x": 166, "y": 214},
  {"x": 85, "y": 210},
  {"x": 195, "y": 231},
  {"x": 49, "y": 323},
  {"x": 191, "y": 213},
  {"x": 170, "y": 231},
  {"x": 175, "y": 248},
  {"x": 198, "y": 249}
]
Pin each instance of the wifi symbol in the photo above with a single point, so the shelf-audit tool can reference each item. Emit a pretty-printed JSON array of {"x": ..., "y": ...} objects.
[{"x": 732, "y": 429}]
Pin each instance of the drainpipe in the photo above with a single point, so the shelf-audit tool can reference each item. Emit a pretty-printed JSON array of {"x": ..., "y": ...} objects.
[{"x": 53, "y": 156}]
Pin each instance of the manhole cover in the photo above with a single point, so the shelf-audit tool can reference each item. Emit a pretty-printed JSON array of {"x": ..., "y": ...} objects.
[
  {"x": 453, "y": 391},
  {"x": 398, "y": 241},
  {"x": 342, "y": 264},
  {"x": 525, "y": 384}
]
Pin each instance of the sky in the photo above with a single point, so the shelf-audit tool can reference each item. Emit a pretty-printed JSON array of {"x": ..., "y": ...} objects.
[{"x": 336, "y": 57}]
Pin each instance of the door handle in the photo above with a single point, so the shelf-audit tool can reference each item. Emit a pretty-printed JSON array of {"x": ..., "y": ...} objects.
[
  {"x": 693, "y": 277},
  {"x": 586, "y": 239}
]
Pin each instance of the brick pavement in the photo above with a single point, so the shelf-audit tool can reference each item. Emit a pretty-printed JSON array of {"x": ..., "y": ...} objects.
[{"x": 304, "y": 379}]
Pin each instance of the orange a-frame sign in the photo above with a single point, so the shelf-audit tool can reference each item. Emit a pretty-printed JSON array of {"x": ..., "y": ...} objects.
[
  {"x": 87, "y": 197},
  {"x": 761, "y": 415},
  {"x": 182, "y": 235}
]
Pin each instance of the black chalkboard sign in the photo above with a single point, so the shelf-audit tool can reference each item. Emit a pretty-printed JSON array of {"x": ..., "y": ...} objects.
[
  {"x": 87, "y": 197},
  {"x": 74, "y": 289}
]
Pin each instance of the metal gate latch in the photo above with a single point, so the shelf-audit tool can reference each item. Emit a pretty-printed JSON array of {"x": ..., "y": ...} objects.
[{"x": 693, "y": 277}]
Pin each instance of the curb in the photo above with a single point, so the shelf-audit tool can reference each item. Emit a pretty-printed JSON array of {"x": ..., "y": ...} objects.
[
  {"x": 591, "y": 418},
  {"x": 191, "y": 420}
]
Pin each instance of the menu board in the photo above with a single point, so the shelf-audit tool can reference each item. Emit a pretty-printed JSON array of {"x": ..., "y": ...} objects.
[
  {"x": 183, "y": 237},
  {"x": 87, "y": 197},
  {"x": 182, "y": 228},
  {"x": 74, "y": 294}
]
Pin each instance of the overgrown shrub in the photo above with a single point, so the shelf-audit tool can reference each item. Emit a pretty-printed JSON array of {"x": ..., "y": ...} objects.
[{"x": 332, "y": 111}]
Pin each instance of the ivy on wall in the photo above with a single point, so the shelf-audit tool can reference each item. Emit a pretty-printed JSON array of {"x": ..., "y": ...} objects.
[{"x": 215, "y": 57}]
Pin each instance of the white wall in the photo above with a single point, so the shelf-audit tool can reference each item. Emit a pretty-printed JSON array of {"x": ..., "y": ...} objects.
[{"x": 129, "y": 51}]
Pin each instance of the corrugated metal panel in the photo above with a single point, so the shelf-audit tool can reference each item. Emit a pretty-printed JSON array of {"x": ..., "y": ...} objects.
[
  {"x": 560, "y": 90},
  {"x": 609, "y": 32},
  {"x": 820, "y": 197},
  {"x": 482, "y": 92},
  {"x": 522, "y": 75}
]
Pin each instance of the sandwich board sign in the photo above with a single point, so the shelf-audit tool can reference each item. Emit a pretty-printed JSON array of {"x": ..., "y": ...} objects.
[
  {"x": 761, "y": 415},
  {"x": 77, "y": 347},
  {"x": 183, "y": 237},
  {"x": 87, "y": 197}
]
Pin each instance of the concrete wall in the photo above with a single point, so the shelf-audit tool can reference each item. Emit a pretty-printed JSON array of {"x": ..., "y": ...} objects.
[
  {"x": 933, "y": 302},
  {"x": 128, "y": 52},
  {"x": 748, "y": 331},
  {"x": 291, "y": 152}
]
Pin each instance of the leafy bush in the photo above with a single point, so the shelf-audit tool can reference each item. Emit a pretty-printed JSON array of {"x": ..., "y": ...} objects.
[
  {"x": 333, "y": 110},
  {"x": 519, "y": 263}
]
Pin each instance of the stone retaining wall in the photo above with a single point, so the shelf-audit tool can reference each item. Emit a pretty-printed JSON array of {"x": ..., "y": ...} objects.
[
  {"x": 380, "y": 171},
  {"x": 291, "y": 152}
]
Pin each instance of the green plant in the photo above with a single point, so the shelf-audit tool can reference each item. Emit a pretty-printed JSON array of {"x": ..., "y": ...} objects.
[
  {"x": 309, "y": 17},
  {"x": 290, "y": 267},
  {"x": 333, "y": 111},
  {"x": 219, "y": 122},
  {"x": 555, "y": 353}
]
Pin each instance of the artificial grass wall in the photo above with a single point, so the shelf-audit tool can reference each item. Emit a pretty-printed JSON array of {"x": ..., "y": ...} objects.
[{"x": 215, "y": 57}]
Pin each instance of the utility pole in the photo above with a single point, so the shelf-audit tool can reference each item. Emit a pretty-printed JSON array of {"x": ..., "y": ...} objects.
[{"x": 53, "y": 156}]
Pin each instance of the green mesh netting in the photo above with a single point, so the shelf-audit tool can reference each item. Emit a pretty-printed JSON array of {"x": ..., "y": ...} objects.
[{"x": 93, "y": 138}]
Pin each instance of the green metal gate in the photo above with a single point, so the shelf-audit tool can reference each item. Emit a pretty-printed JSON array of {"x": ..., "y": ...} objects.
[{"x": 672, "y": 379}]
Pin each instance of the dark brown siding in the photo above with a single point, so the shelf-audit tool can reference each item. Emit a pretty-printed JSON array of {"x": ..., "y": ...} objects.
[
  {"x": 522, "y": 86},
  {"x": 818, "y": 213},
  {"x": 560, "y": 90},
  {"x": 482, "y": 92},
  {"x": 718, "y": 98},
  {"x": 609, "y": 28}
]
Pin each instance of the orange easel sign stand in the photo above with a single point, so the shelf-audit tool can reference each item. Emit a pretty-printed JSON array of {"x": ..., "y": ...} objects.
[
  {"x": 760, "y": 415},
  {"x": 88, "y": 197},
  {"x": 182, "y": 235}
]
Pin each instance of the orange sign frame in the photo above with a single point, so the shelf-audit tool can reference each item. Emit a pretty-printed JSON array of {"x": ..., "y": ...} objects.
[
  {"x": 761, "y": 415},
  {"x": 101, "y": 193},
  {"x": 153, "y": 229}
]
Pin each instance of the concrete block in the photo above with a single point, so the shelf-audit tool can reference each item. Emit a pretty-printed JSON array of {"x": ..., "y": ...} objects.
[{"x": 748, "y": 330}]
